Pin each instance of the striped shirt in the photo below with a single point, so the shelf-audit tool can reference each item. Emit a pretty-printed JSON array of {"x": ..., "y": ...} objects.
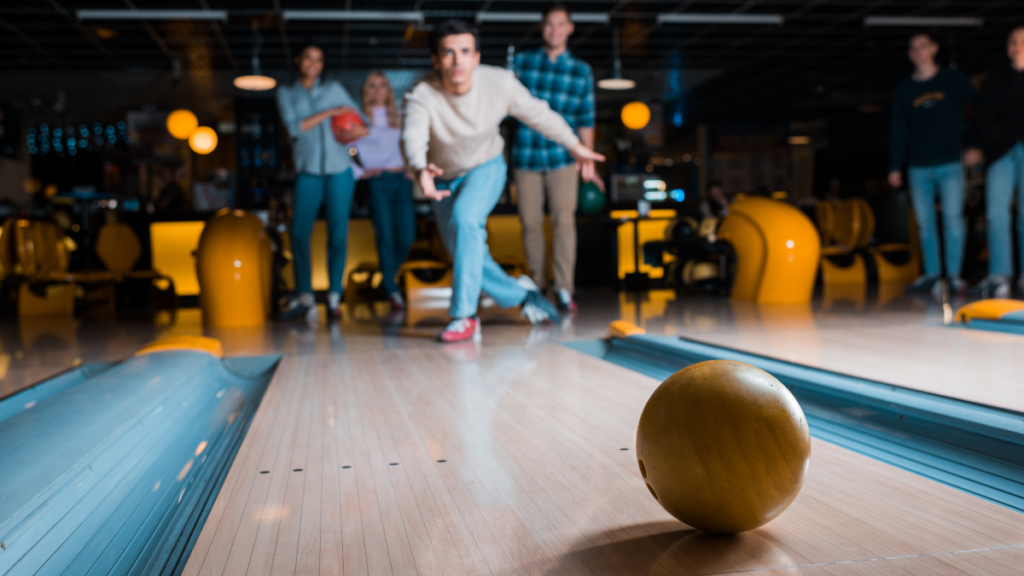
[{"x": 567, "y": 84}]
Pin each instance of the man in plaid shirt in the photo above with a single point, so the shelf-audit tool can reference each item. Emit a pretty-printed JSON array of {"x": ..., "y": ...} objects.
[{"x": 544, "y": 168}]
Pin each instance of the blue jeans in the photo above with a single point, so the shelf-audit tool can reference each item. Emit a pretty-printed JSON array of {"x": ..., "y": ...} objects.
[
  {"x": 948, "y": 180},
  {"x": 310, "y": 192},
  {"x": 1003, "y": 176},
  {"x": 462, "y": 220},
  {"x": 394, "y": 222}
]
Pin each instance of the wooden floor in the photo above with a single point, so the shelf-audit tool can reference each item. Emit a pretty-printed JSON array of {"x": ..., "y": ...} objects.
[{"x": 518, "y": 459}]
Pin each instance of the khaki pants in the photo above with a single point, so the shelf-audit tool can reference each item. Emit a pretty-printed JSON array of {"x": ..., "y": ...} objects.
[{"x": 561, "y": 189}]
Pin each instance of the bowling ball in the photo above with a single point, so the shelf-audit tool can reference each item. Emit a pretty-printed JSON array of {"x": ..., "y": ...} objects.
[
  {"x": 591, "y": 199},
  {"x": 345, "y": 121},
  {"x": 723, "y": 446}
]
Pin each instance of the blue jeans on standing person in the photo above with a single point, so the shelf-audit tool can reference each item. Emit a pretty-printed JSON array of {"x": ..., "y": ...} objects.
[
  {"x": 1003, "y": 176},
  {"x": 462, "y": 220},
  {"x": 948, "y": 181},
  {"x": 394, "y": 222},
  {"x": 310, "y": 192}
]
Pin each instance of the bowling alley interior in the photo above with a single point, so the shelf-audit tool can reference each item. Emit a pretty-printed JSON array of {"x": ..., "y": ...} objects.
[{"x": 615, "y": 287}]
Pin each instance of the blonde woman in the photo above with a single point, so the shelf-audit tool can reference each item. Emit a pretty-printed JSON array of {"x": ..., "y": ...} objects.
[{"x": 391, "y": 205}]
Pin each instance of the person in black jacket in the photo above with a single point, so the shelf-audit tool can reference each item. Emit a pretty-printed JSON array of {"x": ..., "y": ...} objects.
[
  {"x": 1001, "y": 132},
  {"x": 927, "y": 134}
]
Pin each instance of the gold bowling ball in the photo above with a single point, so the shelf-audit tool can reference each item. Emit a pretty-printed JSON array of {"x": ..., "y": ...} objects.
[{"x": 723, "y": 446}]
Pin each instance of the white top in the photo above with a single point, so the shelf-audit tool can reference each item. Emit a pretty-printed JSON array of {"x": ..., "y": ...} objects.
[
  {"x": 460, "y": 132},
  {"x": 380, "y": 148}
]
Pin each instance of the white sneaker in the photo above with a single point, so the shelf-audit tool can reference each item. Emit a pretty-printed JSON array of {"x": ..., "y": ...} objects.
[
  {"x": 957, "y": 286},
  {"x": 992, "y": 287},
  {"x": 527, "y": 283},
  {"x": 538, "y": 309},
  {"x": 565, "y": 301},
  {"x": 313, "y": 315}
]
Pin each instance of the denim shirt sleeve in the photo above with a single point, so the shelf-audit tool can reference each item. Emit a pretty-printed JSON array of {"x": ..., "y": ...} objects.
[{"x": 289, "y": 115}]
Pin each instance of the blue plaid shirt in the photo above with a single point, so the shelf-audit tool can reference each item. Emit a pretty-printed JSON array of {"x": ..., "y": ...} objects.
[{"x": 567, "y": 84}]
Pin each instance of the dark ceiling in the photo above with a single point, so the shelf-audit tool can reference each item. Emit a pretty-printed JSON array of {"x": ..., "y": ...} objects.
[{"x": 822, "y": 56}]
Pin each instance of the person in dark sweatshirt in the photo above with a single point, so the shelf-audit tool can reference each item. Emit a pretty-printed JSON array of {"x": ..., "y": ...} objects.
[
  {"x": 1001, "y": 133},
  {"x": 927, "y": 134}
]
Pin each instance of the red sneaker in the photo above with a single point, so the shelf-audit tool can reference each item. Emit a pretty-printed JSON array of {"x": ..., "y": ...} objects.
[{"x": 461, "y": 330}]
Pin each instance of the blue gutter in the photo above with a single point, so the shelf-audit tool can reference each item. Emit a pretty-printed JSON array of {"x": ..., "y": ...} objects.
[{"x": 115, "y": 473}]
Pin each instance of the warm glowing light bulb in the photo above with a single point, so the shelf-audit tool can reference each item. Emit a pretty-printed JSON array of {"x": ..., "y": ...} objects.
[
  {"x": 203, "y": 140},
  {"x": 636, "y": 115},
  {"x": 180, "y": 124}
]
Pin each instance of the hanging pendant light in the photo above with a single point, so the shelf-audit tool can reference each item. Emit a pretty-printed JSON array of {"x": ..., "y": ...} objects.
[
  {"x": 255, "y": 81},
  {"x": 616, "y": 82}
]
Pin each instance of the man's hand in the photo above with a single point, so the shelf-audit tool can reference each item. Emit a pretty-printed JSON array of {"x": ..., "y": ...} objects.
[
  {"x": 425, "y": 177},
  {"x": 895, "y": 179},
  {"x": 973, "y": 157},
  {"x": 585, "y": 158}
]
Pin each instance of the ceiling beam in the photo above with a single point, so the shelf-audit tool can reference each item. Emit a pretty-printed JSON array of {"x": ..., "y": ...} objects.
[
  {"x": 730, "y": 18},
  {"x": 354, "y": 15},
  {"x": 924, "y": 21},
  {"x": 536, "y": 17},
  {"x": 133, "y": 14}
]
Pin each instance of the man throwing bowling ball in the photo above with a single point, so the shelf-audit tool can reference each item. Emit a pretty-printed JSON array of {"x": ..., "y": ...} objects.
[{"x": 454, "y": 150}]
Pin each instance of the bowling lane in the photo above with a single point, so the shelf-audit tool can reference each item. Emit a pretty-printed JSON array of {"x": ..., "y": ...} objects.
[
  {"x": 911, "y": 350},
  {"x": 508, "y": 459}
]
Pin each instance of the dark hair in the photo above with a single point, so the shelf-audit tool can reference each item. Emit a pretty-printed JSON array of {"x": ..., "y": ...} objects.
[
  {"x": 297, "y": 54},
  {"x": 556, "y": 7},
  {"x": 453, "y": 28},
  {"x": 713, "y": 183},
  {"x": 930, "y": 35}
]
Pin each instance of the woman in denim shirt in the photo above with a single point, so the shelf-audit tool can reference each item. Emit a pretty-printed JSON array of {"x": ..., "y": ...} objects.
[{"x": 324, "y": 173}]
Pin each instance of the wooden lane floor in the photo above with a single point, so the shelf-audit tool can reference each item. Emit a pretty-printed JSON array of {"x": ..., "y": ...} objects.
[{"x": 513, "y": 459}]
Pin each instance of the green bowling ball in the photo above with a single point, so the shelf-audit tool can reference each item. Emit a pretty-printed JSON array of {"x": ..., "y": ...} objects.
[{"x": 591, "y": 198}]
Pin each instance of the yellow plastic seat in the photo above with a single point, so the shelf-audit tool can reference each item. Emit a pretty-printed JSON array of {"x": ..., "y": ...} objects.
[
  {"x": 37, "y": 252},
  {"x": 777, "y": 251},
  {"x": 653, "y": 229}
]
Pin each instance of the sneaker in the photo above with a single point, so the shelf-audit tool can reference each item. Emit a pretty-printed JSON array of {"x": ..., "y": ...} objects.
[
  {"x": 397, "y": 302},
  {"x": 992, "y": 287},
  {"x": 461, "y": 329},
  {"x": 527, "y": 283},
  {"x": 565, "y": 301},
  {"x": 297, "y": 310},
  {"x": 334, "y": 305},
  {"x": 957, "y": 286},
  {"x": 924, "y": 283},
  {"x": 537, "y": 309}
]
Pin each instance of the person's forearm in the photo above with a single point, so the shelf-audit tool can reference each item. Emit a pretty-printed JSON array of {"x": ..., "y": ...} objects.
[
  {"x": 586, "y": 135},
  {"x": 309, "y": 122}
]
